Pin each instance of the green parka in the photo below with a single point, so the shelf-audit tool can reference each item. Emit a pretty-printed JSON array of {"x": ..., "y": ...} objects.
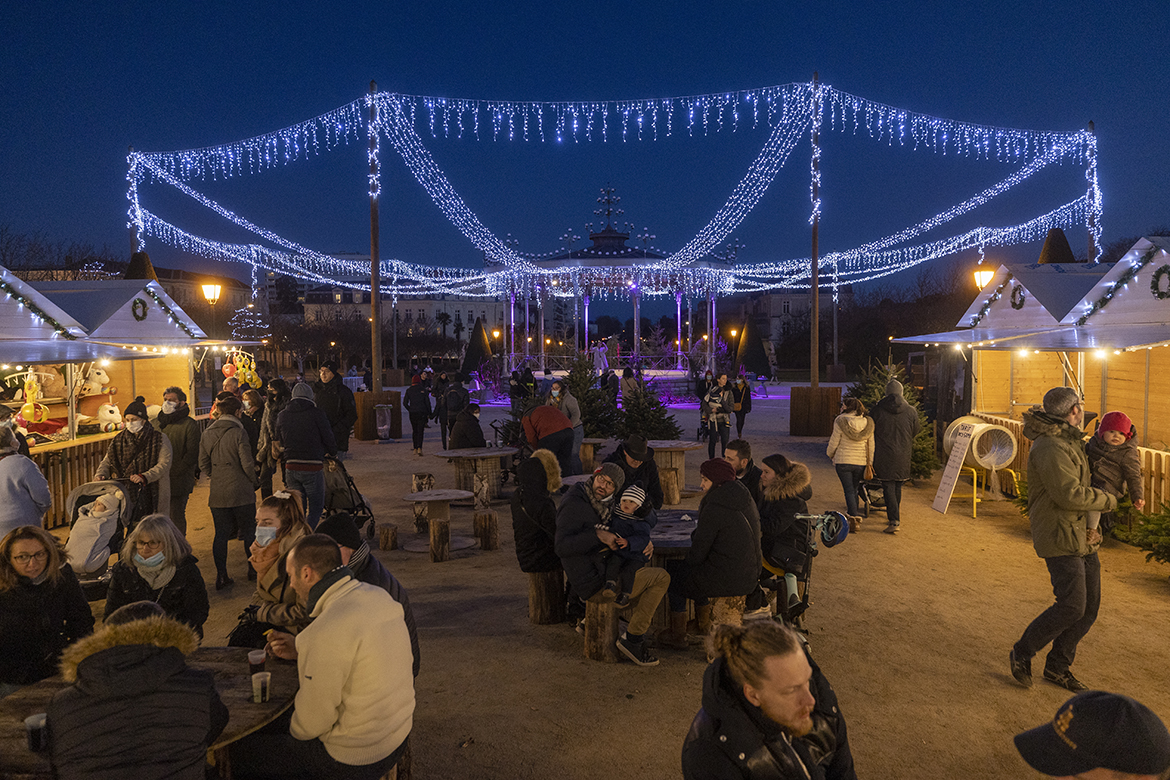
[{"x": 1059, "y": 495}]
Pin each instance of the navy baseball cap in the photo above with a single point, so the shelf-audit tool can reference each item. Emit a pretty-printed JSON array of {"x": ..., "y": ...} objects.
[{"x": 1098, "y": 730}]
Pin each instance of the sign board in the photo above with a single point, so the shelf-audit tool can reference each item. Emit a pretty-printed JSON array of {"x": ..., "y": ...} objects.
[{"x": 962, "y": 443}]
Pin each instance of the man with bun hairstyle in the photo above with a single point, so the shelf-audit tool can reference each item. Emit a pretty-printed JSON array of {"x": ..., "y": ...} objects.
[
  {"x": 1060, "y": 499},
  {"x": 1099, "y": 736},
  {"x": 582, "y": 534},
  {"x": 768, "y": 712}
]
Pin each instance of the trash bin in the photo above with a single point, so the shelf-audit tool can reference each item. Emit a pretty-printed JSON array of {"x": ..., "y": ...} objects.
[{"x": 383, "y": 416}]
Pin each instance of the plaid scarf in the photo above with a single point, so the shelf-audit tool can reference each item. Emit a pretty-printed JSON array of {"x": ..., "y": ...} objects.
[
  {"x": 132, "y": 454},
  {"x": 603, "y": 508}
]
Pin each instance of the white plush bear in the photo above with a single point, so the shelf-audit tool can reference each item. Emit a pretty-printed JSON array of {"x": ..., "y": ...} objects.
[
  {"x": 96, "y": 383},
  {"x": 109, "y": 417}
]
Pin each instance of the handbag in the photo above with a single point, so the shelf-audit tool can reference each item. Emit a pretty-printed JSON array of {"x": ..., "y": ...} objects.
[
  {"x": 249, "y": 633},
  {"x": 738, "y": 406},
  {"x": 868, "y": 474}
]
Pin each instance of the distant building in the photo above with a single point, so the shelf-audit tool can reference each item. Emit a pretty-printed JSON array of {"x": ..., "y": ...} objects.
[{"x": 775, "y": 312}]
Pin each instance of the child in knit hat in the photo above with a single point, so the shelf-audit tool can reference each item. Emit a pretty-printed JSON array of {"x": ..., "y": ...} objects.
[
  {"x": 1114, "y": 465},
  {"x": 633, "y": 533}
]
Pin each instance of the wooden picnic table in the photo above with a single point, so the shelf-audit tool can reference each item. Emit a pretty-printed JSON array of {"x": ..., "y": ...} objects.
[
  {"x": 589, "y": 448},
  {"x": 673, "y": 455},
  {"x": 478, "y": 460},
  {"x": 438, "y": 501},
  {"x": 233, "y": 682}
]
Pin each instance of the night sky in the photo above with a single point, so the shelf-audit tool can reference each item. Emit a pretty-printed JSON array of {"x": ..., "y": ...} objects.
[{"x": 81, "y": 82}]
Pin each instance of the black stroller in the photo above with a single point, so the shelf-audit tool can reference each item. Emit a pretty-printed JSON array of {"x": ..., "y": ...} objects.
[
  {"x": 832, "y": 528},
  {"x": 870, "y": 495},
  {"x": 91, "y": 542},
  {"x": 342, "y": 495}
]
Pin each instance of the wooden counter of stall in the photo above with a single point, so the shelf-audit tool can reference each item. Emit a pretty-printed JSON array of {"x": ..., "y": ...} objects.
[{"x": 69, "y": 464}]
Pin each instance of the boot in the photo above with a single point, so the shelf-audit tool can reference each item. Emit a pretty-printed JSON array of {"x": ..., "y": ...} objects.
[
  {"x": 676, "y": 636},
  {"x": 698, "y": 628}
]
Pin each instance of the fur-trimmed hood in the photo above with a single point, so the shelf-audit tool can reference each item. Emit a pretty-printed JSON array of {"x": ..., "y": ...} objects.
[
  {"x": 149, "y": 635},
  {"x": 790, "y": 484},
  {"x": 850, "y": 428},
  {"x": 552, "y": 468}
]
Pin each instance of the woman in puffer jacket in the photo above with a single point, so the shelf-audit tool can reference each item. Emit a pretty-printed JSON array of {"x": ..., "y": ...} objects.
[
  {"x": 786, "y": 487},
  {"x": 851, "y": 449},
  {"x": 534, "y": 512}
]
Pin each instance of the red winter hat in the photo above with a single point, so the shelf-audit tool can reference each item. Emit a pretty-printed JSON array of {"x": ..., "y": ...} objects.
[
  {"x": 718, "y": 471},
  {"x": 1116, "y": 421}
]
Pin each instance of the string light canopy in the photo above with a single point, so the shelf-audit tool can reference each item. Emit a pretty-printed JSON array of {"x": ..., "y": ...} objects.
[{"x": 787, "y": 112}]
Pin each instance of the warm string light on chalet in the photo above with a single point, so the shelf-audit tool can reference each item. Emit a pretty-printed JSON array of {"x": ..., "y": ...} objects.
[
  {"x": 34, "y": 311},
  {"x": 789, "y": 110},
  {"x": 1118, "y": 285},
  {"x": 995, "y": 296}
]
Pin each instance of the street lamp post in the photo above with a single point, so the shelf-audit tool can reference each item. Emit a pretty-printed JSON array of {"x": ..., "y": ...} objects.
[{"x": 211, "y": 293}]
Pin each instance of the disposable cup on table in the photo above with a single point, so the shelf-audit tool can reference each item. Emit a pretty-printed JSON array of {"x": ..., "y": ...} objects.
[
  {"x": 261, "y": 682},
  {"x": 256, "y": 661}
]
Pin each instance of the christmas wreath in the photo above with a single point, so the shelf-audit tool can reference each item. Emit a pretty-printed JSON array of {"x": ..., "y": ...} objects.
[
  {"x": 138, "y": 309},
  {"x": 1018, "y": 297},
  {"x": 1156, "y": 283}
]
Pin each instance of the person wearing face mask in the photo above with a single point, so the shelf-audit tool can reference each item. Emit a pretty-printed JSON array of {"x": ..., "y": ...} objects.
[
  {"x": 466, "y": 433},
  {"x": 8, "y": 420},
  {"x": 560, "y": 397},
  {"x": 336, "y": 400},
  {"x": 42, "y": 607},
  {"x": 156, "y": 564},
  {"x": 182, "y": 432},
  {"x": 142, "y": 455},
  {"x": 24, "y": 492},
  {"x": 280, "y": 523}
]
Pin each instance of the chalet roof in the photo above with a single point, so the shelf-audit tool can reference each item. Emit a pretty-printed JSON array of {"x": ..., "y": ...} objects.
[
  {"x": 99, "y": 306},
  {"x": 1059, "y": 286}
]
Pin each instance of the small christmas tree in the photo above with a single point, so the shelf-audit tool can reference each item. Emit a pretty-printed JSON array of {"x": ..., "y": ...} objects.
[
  {"x": 599, "y": 414},
  {"x": 871, "y": 388},
  {"x": 644, "y": 413}
]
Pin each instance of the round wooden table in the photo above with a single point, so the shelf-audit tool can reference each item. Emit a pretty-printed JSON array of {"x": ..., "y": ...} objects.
[
  {"x": 440, "y": 542},
  {"x": 478, "y": 460},
  {"x": 233, "y": 682},
  {"x": 438, "y": 501}
]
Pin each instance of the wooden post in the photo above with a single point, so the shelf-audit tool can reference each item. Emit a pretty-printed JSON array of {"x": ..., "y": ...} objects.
[
  {"x": 482, "y": 490},
  {"x": 387, "y": 536},
  {"x": 418, "y": 483},
  {"x": 375, "y": 185},
  {"x": 487, "y": 530},
  {"x": 440, "y": 540},
  {"x": 546, "y": 597},
  {"x": 670, "y": 487},
  {"x": 601, "y": 631},
  {"x": 814, "y": 288},
  {"x": 586, "y": 453}
]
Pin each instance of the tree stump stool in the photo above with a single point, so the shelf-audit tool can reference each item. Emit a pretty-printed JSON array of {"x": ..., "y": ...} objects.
[
  {"x": 729, "y": 610},
  {"x": 601, "y": 631},
  {"x": 670, "y": 488},
  {"x": 388, "y": 536},
  {"x": 440, "y": 540},
  {"x": 546, "y": 597},
  {"x": 487, "y": 530},
  {"x": 401, "y": 770},
  {"x": 418, "y": 483}
]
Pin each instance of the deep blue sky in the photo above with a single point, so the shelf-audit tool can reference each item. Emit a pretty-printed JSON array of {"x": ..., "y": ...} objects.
[{"x": 79, "y": 82}]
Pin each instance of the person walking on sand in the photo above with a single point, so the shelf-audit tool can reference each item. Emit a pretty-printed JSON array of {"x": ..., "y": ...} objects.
[
  {"x": 1060, "y": 498},
  {"x": 895, "y": 424}
]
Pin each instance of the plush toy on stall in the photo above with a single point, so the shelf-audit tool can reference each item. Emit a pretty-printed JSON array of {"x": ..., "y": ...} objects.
[
  {"x": 229, "y": 370},
  {"x": 97, "y": 382},
  {"x": 108, "y": 419}
]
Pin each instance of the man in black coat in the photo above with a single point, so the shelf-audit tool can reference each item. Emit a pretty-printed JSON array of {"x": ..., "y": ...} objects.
[
  {"x": 739, "y": 455},
  {"x": 466, "y": 432},
  {"x": 305, "y": 438},
  {"x": 336, "y": 400},
  {"x": 895, "y": 424},
  {"x": 355, "y": 553},
  {"x": 768, "y": 712},
  {"x": 135, "y": 708},
  {"x": 636, "y": 459},
  {"x": 581, "y": 540}
]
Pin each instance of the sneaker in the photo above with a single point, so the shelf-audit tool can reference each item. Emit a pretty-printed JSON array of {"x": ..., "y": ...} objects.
[
  {"x": 1022, "y": 669},
  {"x": 890, "y": 529},
  {"x": 636, "y": 652},
  {"x": 580, "y": 627},
  {"x": 622, "y": 600},
  {"x": 763, "y": 613},
  {"x": 1065, "y": 680}
]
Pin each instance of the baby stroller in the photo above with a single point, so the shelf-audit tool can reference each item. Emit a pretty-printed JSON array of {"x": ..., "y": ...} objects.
[
  {"x": 342, "y": 495},
  {"x": 510, "y": 433},
  {"x": 832, "y": 528},
  {"x": 870, "y": 495},
  {"x": 92, "y": 540}
]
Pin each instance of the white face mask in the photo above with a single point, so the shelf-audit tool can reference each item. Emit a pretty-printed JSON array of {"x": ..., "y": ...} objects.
[
  {"x": 265, "y": 535},
  {"x": 169, "y": 407},
  {"x": 135, "y": 426}
]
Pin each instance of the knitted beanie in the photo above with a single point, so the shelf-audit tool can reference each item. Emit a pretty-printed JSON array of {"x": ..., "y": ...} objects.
[
  {"x": 614, "y": 472},
  {"x": 718, "y": 471},
  {"x": 635, "y": 494},
  {"x": 1116, "y": 421},
  {"x": 303, "y": 390}
]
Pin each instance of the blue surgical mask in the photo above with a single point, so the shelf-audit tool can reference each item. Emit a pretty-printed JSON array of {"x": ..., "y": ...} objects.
[
  {"x": 265, "y": 535},
  {"x": 153, "y": 560},
  {"x": 555, "y": 393}
]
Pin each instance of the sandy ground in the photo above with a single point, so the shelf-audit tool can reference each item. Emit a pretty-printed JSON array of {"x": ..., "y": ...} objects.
[{"x": 913, "y": 631}]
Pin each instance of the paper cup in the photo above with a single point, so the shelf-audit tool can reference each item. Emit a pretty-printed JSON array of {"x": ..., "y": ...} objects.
[
  {"x": 256, "y": 661},
  {"x": 261, "y": 681},
  {"x": 38, "y": 733}
]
